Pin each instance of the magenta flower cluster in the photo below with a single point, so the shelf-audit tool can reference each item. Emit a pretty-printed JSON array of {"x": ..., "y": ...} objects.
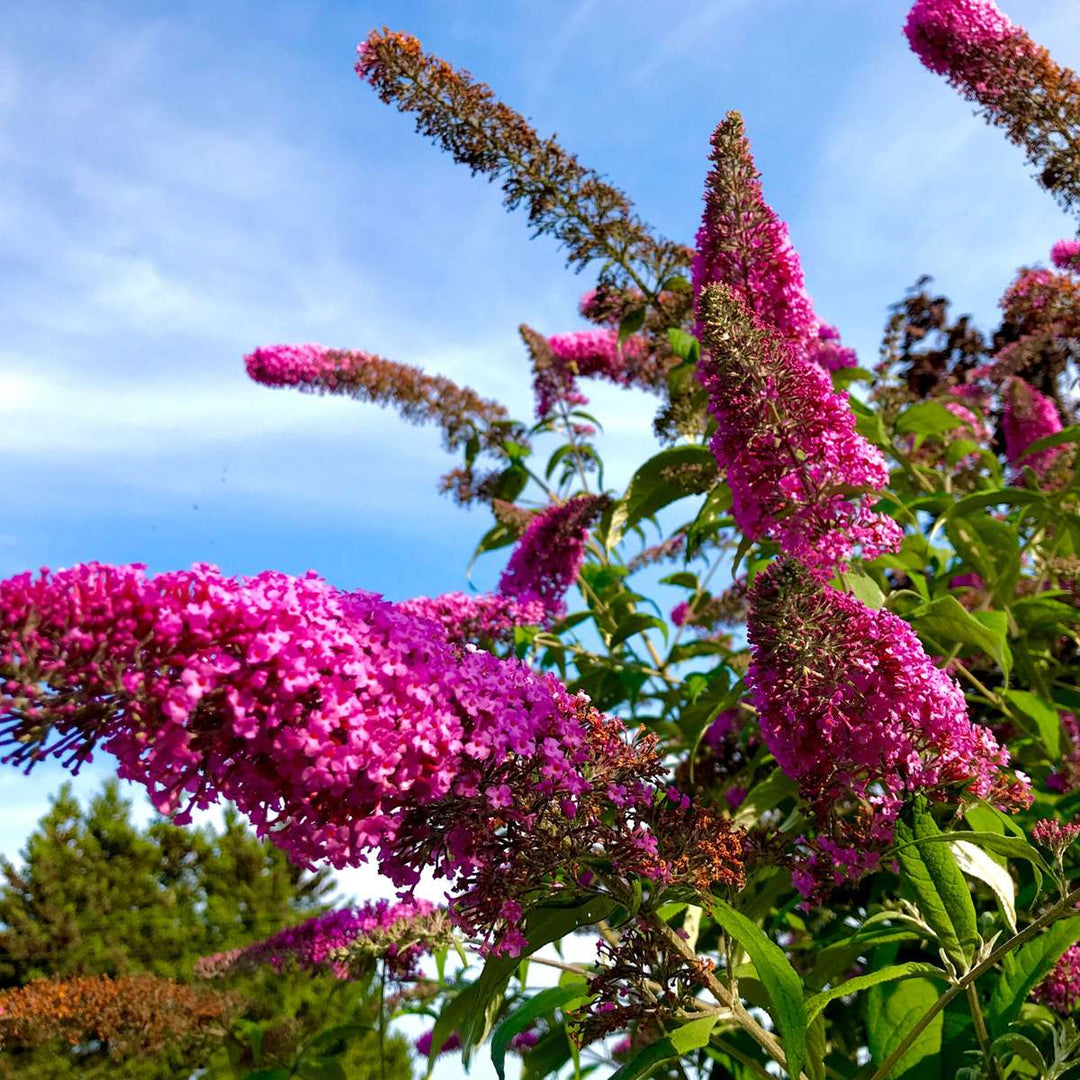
[
  {"x": 1029, "y": 416},
  {"x": 547, "y": 558},
  {"x": 322, "y": 715},
  {"x": 594, "y": 353},
  {"x": 951, "y": 36},
  {"x": 1065, "y": 255},
  {"x": 288, "y": 365},
  {"x": 743, "y": 243},
  {"x": 476, "y": 617},
  {"x": 1060, "y": 990},
  {"x": 789, "y": 446},
  {"x": 330, "y": 942},
  {"x": 851, "y": 706}
]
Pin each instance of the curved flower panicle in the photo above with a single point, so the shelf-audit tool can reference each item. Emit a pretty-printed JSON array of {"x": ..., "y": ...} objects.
[
  {"x": 788, "y": 443},
  {"x": 546, "y": 560},
  {"x": 853, "y": 708},
  {"x": 471, "y": 617},
  {"x": 420, "y": 398},
  {"x": 336, "y": 941},
  {"x": 132, "y": 1014},
  {"x": 1065, "y": 255},
  {"x": 1028, "y": 417},
  {"x": 1015, "y": 82},
  {"x": 744, "y": 245}
]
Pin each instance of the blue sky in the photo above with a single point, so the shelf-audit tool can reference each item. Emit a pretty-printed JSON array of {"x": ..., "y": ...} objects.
[{"x": 181, "y": 182}]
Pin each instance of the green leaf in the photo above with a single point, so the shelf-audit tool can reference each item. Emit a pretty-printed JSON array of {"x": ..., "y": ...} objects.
[
  {"x": 692, "y": 468},
  {"x": 320, "y": 1069},
  {"x": 936, "y": 883},
  {"x": 992, "y": 548},
  {"x": 976, "y": 863},
  {"x": 1024, "y": 1047},
  {"x": 1024, "y": 969},
  {"x": 838, "y": 956},
  {"x": 777, "y": 976},
  {"x": 337, "y": 1033},
  {"x": 522, "y": 1019},
  {"x": 864, "y": 588},
  {"x": 892, "y": 1010},
  {"x": 1045, "y": 716},
  {"x": 1066, "y": 435},
  {"x": 479, "y": 1003},
  {"x": 1012, "y": 847},
  {"x": 927, "y": 418},
  {"x": 637, "y": 622},
  {"x": 816, "y": 1047},
  {"x": 892, "y": 973},
  {"x": 946, "y": 622},
  {"x": 999, "y": 497},
  {"x": 268, "y": 1074},
  {"x": 685, "y": 346},
  {"x": 682, "y": 1040},
  {"x": 631, "y": 324}
]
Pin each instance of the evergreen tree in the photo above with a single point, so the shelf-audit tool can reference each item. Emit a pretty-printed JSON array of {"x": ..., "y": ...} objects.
[{"x": 96, "y": 895}]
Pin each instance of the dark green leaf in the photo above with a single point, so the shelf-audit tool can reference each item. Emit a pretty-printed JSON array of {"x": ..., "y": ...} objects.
[
  {"x": 892, "y": 1010},
  {"x": 670, "y": 475},
  {"x": 936, "y": 883},
  {"x": 636, "y": 623},
  {"x": 631, "y": 324},
  {"x": 778, "y": 977},
  {"x": 522, "y": 1019},
  {"x": 1045, "y": 716},
  {"x": 1025, "y": 968},
  {"x": 682, "y": 1040},
  {"x": 892, "y": 973},
  {"x": 946, "y": 622}
]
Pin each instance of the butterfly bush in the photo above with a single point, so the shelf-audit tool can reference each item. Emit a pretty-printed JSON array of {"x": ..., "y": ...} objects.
[
  {"x": 788, "y": 443},
  {"x": 1065, "y": 255},
  {"x": 1060, "y": 990},
  {"x": 476, "y": 617},
  {"x": 420, "y": 398},
  {"x": 851, "y": 707},
  {"x": 1028, "y": 417},
  {"x": 338, "y": 940},
  {"x": 547, "y": 558},
  {"x": 1014, "y": 81}
]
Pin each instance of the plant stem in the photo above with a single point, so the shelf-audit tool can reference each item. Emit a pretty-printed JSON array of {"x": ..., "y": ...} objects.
[
  {"x": 980, "y": 1031},
  {"x": 1051, "y": 915}
]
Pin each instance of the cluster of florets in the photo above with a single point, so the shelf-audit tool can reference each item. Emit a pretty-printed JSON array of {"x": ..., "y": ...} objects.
[
  {"x": 133, "y": 1014},
  {"x": 1055, "y": 835},
  {"x": 420, "y": 398},
  {"x": 586, "y": 813},
  {"x": 344, "y": 942},
  {"x": 340, "y": 724},
  {"x": 788, "y": 443},
  {"x": 476, "y": 617},
  {"x": 743, "y": 243},
  {"x": 1066, "y": 777},
  {"x": 1060, "y": 990},
  {"x": 949, "y": 36},
  {"x": 708, "y": 613},
  {"x": 995, "y": 64},
  {"x": 322, "y": 715},
  {"x": 853, "y": 708},
  {"x": 1065, "y": 255},
  {"x": 666, "y": 551},
  {"x": 828, "y": 352},
  {"x": 1029, "y": 416},
  {"x": 549, "y": 555}
]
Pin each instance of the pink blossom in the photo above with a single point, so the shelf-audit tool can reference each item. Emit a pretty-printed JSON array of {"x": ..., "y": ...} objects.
[
  {"x": 593, "y": 353},
  {"x": 743, "y": 243},
  {"x": 466, "y": 617},
  {"x": 850, "y": 704},
  {"x": 1053, "y": 834},
  {"x": 1060, "y": 990},
  {"x": 324, "y": 716},
  {"x": 423, "y": 1044},
  {"x": 788, "y": 443},
  {"x": 1065, "y": 255},
  {"x": 547, "y": 558},
  {"x": 1029, "y": 416},
  {"x": 947, "y": 35},
  {"x": 333, "y": 941}
]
